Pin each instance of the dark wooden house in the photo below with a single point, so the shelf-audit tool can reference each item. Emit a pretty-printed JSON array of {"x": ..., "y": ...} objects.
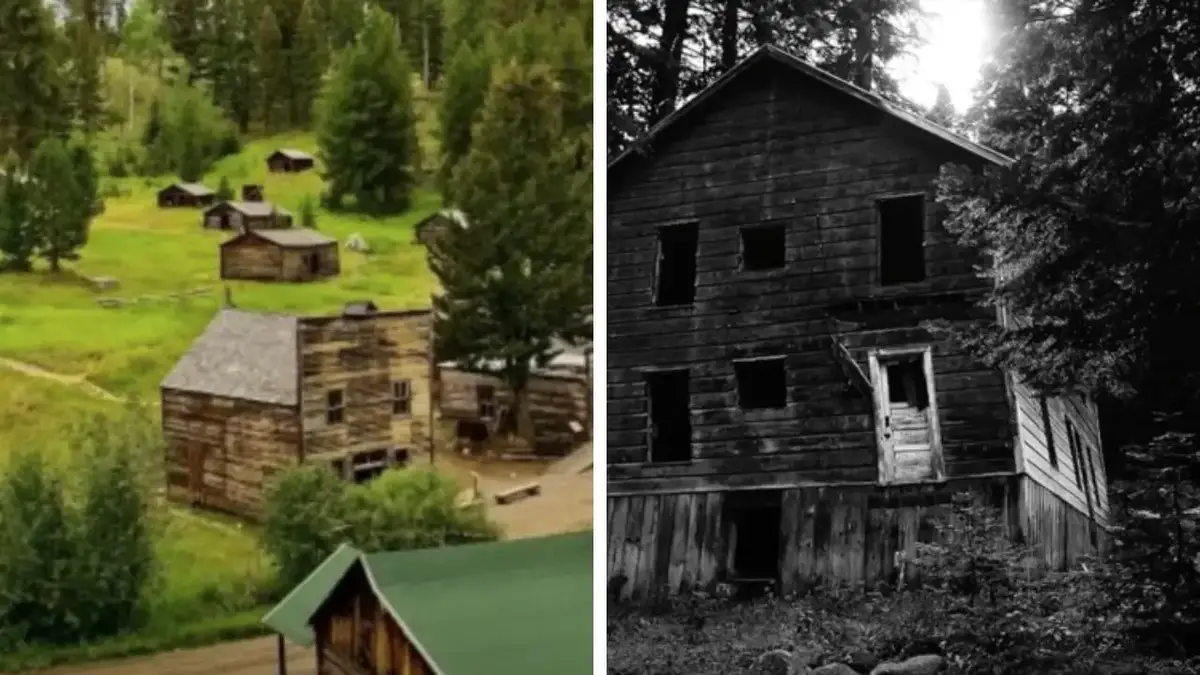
[
  {"x": 446, "y": 611},
  {"x": 294, "y": 254},
  {"x": 471, "y": 404},
  {"x": 185, "y": 195},
  {"x": 776, "y": 412},
  {"x": 286, "y": 160},
  {"x": 259, "y": 392},
  {"x": 252, "y": 193},
  {"x": 427, "y": 230},
  {"x": 242, "y": 216}
]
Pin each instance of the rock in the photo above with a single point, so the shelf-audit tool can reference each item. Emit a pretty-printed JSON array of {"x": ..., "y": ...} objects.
[
  {"x": 109, "y": 302},
  {"x": 925, "y": 664},
  {"x": 775, "y": 662},
  {"x": 356, "y": 242},
  {"x": 861, "y": 660},
  {"x": 835, "y": 669},
  {"x": 104, "y": 283}
]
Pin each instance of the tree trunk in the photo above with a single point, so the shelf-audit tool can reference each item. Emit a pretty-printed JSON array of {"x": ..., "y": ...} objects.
[
  {"x": 425, "y": 53},
  {"x": 729, "y": 34},
  {"x": 665, "y": 91},
  {"x": 864, "y": 45}
]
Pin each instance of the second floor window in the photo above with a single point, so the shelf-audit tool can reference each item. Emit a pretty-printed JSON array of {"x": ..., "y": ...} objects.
[
  {"x": 764, "y": 247},
  {"x": 335, "y": 407},
  {"x": 485, "y": 396},
  {"x": 901, "y": 239},
  {"x": 401, "y": 398},
  {"x": 675, "y": 271}
]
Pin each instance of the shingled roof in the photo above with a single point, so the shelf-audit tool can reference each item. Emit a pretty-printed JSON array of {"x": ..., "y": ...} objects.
[
  {"x": 243, "y": 355},
  {"x": 194, "y": 189},
  {"x": 802, "y": 68},
  {"x": 296, "y": 237}
]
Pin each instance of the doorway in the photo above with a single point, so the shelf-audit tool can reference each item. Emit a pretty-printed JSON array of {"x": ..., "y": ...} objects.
[
  {"x": 754, "y": 520},
  {"x": 668, "y": 393},
  {"x": 313, "y": 261}
]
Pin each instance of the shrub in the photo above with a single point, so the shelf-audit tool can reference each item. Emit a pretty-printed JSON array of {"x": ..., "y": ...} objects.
[
  {"x": 308, "y": 213},
  {"x": 311, "y": 511}
]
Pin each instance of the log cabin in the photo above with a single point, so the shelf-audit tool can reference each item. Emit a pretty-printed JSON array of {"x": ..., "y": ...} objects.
[
  {"x": 259, "y": 392},
  {"x": 287, "y": 160},
  {"x": 520, "y": 607},
  {"x": 427, "y": 231},
  {"x": 778, "y": 412},
  {"x": 242, "y": 216},
  {"x": 185, "y": 195},
  {"x": 293, "y": 254},
  {"x": 472, "y": 402}
]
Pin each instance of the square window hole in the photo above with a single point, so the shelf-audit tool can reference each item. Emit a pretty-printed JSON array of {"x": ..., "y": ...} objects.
[
  {"x": 761, "y": 383},
  {"x": 764, "y": 247}
]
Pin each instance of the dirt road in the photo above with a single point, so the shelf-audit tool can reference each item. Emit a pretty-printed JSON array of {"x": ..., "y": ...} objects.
[{"x": 246, "y": 657}]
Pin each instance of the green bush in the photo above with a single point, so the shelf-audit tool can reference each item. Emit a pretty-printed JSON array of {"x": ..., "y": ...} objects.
[{"x": 311, "y": 511}]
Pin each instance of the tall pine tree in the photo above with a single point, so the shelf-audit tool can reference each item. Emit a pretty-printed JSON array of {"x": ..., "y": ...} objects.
[
  {"x": 33, "y": 103},
  {"x": 306, "y": 60},
  {"x": 463, "y": 89},
  {"x": 519, "y": 275},
  {"x": 367, "y": 127},
  {"x": 272, "y": 70},
  {"x": 18, "y": 231},
  {"x": 59, "y": 204}
]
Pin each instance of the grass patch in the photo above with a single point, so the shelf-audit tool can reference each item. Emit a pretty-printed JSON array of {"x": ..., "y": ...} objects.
[
  {"x": 54, "y": 321},
  {"x": 201, "y": 633}
]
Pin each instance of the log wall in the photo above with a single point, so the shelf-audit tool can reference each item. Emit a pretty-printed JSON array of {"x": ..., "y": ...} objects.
[
  {"x": 224, "y": 453},
  {"x": 362, "y": 358},
  {"x": 295, "y": 266},
  {"x": 251, "y": 258}
]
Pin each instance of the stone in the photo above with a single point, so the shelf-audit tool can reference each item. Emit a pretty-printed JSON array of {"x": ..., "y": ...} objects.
[
  {"x": 775, "y": 662},
  {"x": 835, "y": 669},
  {"x": 805, "y": 658},
  {"x": 925, "y": 664},
  {"x": 357, "y": 243},
  {"x": 104, "y": 283},
  {"x": 109, "y": 302},
  {"x": 861, "y": 660}
]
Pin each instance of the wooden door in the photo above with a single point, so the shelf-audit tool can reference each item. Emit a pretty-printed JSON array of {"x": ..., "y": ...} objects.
[{"x": 906, "y": 417}]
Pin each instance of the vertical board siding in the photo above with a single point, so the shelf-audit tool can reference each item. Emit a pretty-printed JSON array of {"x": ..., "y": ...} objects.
[
  {"x": 1061, "y": 533},
  {"x": 678, "y": 542}
]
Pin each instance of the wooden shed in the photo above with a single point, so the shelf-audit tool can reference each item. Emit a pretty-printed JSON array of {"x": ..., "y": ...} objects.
[
  {"x": 427, "y": 230},
  {"x": 238, "y": 408},
  {"x": 241, "y": 216},
  {"x": 185, "y": 195},
  {"x": 287, "y": 160},
  {"x": 518, "y": 607},
  {"x": 471, "y": 404},
  {"x": 777, "y": 411},
  {"x": 294, "y": 254}
]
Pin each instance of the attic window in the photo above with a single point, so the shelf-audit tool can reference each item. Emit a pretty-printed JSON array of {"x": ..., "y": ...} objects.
[
  {"x": 764, "y": 247},
  {"x": 675, "y": 276},
  {"x": 901, "y": 240},
  {"x": 335, "y": 407},
  {"x": 761, "y": 383}
]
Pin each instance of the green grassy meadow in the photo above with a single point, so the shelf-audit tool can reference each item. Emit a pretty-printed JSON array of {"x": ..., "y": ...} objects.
[{"x": 211, "y": 568}]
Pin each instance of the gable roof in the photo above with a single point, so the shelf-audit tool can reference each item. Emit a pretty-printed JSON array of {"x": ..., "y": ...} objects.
[
  {"x": 291, "y": 153},
  {"x": 253, "y": 209},
  {"x": 773, "y": 54},
  {"x": 243, "y": 355},
  {"x": 522, "y": 606},
  {"x": 194, "y": 189},
  {"x": 295, "y": 237}
]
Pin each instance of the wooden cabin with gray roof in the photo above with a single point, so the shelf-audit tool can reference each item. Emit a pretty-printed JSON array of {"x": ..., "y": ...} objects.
[
  {"x": 260, "y": 392},
  {"x": 187, "y": 195},
  {"x": 244, "y": 215},
  {"x": 778, "y": 411},
  {"x": 293, "y": 254}
]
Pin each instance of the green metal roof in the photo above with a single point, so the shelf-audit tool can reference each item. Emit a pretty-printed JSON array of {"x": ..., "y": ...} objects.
[{"x": 522, "y": 606}]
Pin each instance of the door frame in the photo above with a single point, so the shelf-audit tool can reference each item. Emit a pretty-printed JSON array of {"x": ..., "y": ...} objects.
[{"x": 877, "y": 359}]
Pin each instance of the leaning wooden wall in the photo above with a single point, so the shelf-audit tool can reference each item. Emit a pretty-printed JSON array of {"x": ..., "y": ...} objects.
[
  {"x": 676, "y": 542},
  {"x": 1061, "y": 532}
]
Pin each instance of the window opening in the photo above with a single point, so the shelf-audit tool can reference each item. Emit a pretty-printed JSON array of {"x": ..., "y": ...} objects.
[
  {"x": 901, "y": 240},
  {"x": 761, "y": 383},
  {"x": 669, "y": 394},
  {"x": 764, "y": 247},
  {"x": 675, "y": 278}
]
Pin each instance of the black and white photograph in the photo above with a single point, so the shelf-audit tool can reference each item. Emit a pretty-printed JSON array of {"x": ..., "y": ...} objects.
[{"x": 900, "y": 377}]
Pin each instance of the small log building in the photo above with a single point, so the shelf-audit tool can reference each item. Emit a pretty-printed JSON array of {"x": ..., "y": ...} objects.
[
  {"x": 258, "y": 392},
  {"x": 294, "y": 254},
  {"x": 521, "y": 607},
  {"x": 471, "y": 404},
  {"x": 776, "y": 412},
  {"x": 185, "y": 195},
  {"x": 246, "y": 215},
  {"x": 252, "y": 193},
  {"x": 429, "y": 229},
  {"x": 286, "y": 160}
]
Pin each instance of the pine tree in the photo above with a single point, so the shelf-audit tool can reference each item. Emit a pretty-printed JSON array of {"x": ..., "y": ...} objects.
[
  {"x": 306, "y": 64},
  {"x": 232, "y": 59},
  {"x": 463, "y": 88},
  {"x": 224, "y": 190},
  {"x": 520, "y": 274},
  {"x": 186, "y": 24},
  {"x": 191, "y": 156},
  {"x": 87, "y": 54},
  {"x": 272, "y": 69},
  {"x": 367, "y": 102},
  {"x": 89, "y": 185},
  {"x": 154, "y": 124},
  {"x": 942, "y": 111},
  {"x": 33, "y": 103},
  {"x": 58, "y": 203},
  {"x": 18, "y": 232}
]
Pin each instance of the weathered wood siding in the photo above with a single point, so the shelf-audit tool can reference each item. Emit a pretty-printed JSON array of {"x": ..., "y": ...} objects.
[
  {"x": 295, "y": 265},
  {"x": 362, "y": 357},
  {"x": 224, "y": 453},
  {"x": 1061, "y": 533},
  {"x": 1084, "y": 494},
  {"x": 777, "y": 149},
  {"x": 675, "y": 542},
  {"x": 554, "y": 403},
  {"x": 252, "y": 259},
  {"x": 355, "y": 635}
]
